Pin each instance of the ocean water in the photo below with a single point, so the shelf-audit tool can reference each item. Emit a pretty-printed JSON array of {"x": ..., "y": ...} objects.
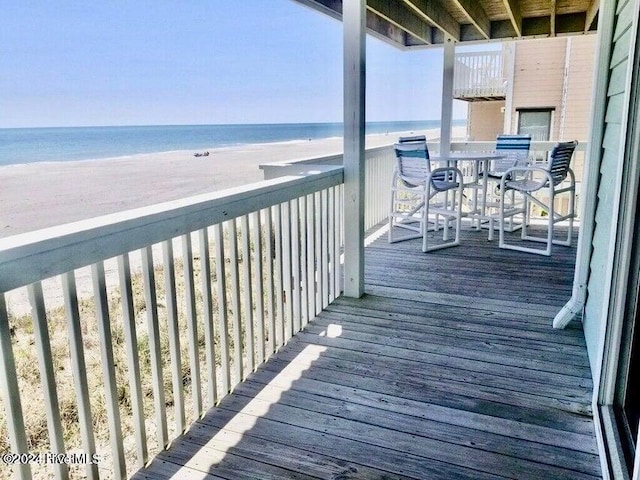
[{"x": 29, "y": 145}]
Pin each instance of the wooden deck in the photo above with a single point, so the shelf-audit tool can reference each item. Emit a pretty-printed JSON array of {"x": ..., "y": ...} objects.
[{"x": 447, "y": 368}]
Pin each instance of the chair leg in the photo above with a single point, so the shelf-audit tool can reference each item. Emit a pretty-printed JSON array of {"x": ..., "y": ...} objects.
[
  {"x": 550, "y": 225},
  {"x": 501, "y": 221},
  {"x": 525, "y": 218},
  {"x": 405, "y": 214},
  {"x": 450, "y": 211},
  {"x": 425, "y": 223},
  {"x": 391, "y": 210}
]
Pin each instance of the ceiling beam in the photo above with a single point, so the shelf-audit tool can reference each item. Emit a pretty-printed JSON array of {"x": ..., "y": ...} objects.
[
  {"x": 476, "y": 16},
  {"x": 513, "y": 10},
  {"x": 400, "y": 16},
  {"x": 434, "y": 13},
  {"x": 592, "y": 12},
  {"x": 385, "y": 31},
  {"x": 376, "y": 26},
  {"x": 552, "y": 20}
]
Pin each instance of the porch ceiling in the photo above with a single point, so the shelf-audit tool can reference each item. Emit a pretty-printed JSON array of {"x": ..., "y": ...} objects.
[{"x": 421, "y": 23}]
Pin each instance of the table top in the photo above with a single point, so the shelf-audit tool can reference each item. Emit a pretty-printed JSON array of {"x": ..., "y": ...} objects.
[{"x": 471, "y": 156}]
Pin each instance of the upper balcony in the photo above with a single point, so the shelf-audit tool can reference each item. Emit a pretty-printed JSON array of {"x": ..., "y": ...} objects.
[{"x": 480, "y": 76}]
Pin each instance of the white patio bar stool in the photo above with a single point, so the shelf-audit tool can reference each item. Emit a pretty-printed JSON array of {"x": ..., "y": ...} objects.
[
  {"x": 515, "y": 153},
  {"x": 558, "y": 179},
  {"x": 423, "y": 199}
]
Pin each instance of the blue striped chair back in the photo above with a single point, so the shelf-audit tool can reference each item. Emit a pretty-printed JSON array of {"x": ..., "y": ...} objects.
[
  {"x": 412, "y": 157},
  {"x": 516, "y": 151},
  {"x": 560, "y": 159}
]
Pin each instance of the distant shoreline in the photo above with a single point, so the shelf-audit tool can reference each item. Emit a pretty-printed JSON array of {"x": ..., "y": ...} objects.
[
  {"x": 41, "y": 195},
  {"x": 62, "y": 144},
  {"x": 38, "y": 195}
]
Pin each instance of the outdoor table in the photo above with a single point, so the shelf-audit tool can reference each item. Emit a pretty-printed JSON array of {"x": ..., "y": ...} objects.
[{"x": 481, "y": 161}]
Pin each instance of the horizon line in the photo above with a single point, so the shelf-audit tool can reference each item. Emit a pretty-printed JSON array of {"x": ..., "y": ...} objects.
[{"x": 216, "y": 124}]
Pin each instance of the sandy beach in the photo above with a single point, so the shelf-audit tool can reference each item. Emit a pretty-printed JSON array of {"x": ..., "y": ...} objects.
[{"x": 40, "y": 195}]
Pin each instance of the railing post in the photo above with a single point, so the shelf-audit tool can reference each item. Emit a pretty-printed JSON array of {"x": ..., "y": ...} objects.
[
  {"x": 353, "y": 18},
  {"x": 447, "y": 95}
]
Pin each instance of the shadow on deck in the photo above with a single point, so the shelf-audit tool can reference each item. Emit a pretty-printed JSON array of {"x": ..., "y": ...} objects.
[{"x": 447, "y": 368}]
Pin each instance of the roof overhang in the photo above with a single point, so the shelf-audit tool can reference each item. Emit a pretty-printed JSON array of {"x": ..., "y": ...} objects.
[{"x": 411, "y": 24}]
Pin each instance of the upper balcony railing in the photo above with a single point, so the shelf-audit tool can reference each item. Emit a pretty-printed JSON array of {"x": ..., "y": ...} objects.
[{"x": 480, "y": 76}]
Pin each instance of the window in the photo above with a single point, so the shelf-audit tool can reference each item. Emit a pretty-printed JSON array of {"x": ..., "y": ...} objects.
[{"x": 536, "y": 122}]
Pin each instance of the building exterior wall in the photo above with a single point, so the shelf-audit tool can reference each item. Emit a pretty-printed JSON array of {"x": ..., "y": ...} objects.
[
  {"x": 538, "y": 79},
  {"x": 596, "y": 311},
  {"x": 549, "y": 73},
  {"x": 485, "y": 120},
  {"x": 579, "y": 87}
]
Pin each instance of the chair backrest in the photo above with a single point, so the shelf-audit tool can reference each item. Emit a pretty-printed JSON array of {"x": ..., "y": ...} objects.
[
  {"x": 560, "y": 158},
  {"x": 412, "y": 157},
  {"x": 516, "y": 151}
]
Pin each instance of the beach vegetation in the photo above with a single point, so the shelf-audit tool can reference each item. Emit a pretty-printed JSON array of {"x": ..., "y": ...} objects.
[{"x": 28, "y": 368}]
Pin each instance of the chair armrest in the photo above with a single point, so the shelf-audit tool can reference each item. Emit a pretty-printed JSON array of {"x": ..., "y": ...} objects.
[
  {"x": 510, "y": 179},
  {"x": 445, "y": 178},
  {"x": 523, "y": 169}
]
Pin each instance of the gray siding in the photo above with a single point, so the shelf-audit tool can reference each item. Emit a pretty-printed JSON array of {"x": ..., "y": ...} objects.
[{"x": 611, "y": 159}]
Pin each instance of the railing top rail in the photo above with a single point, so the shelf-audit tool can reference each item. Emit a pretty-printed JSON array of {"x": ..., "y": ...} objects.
[
  {"x": 31, "y": 257},
  {"x": 536, "y": 145},
  {"x": 325, "y": 159},
  {"x": 492, "y": 53}
]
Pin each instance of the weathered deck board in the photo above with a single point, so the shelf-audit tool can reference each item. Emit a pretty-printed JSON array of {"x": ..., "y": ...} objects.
[{"x": 447, "y": 368}]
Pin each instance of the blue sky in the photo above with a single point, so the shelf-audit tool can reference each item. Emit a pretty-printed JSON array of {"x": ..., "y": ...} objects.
[{"x": 78, "y": 63}]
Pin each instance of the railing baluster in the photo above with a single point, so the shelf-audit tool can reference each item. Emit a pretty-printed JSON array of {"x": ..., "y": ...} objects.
[
  {"x": 278, "y": 277},
  {"x": 133, "y": 361},
  {"x": 258, "y": 285},
  {"x": 248, "y": 289},
  {"x": 108, "y": 369},
  {"x": 286, "y": 271},
  {"x": 79, "y": 369},
  {"x": 235, "y": 302},
  {"x": 331, "y": 243},
  {"x": 325, "y": 249},
  {"x": 369, "y": 205},
  {"x": 192, "y": 324},
  {"x": 319, "y": 258},
  {"x": 207, "y": 316},
  {"x": 221, "y": 282},
  {"x": 337, "y": 244},
  {"x": 295, "y": 265},
  {"x": 47, "y": 377},
  {"x": 342, "y": 226},
  {"x": 11, "y": 396},
  {"x": 269, "y": 272},
  {"x": 375, "y": 201},
  {"x": 157, "y": 378},
  {"x": 311, "y": 261},
  {"x": 174, "y": 334},
  {"x": 304, "y": 307}
]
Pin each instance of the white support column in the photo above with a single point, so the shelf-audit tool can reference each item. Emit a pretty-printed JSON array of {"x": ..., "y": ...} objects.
[
  {"x": 353, "y": 20},
  {"x": 509, "y": 56},
  {"x": 447, "y": 95}
]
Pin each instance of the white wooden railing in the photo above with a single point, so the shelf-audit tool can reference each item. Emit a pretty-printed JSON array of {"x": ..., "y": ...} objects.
[
  {"x": 380, "y": 162},
  {"x": 539, "y": 153},
  {"x": 479, "y": 74},
  {"x": 188, "y": 298},
  {"x": 379, "y": 165}
]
